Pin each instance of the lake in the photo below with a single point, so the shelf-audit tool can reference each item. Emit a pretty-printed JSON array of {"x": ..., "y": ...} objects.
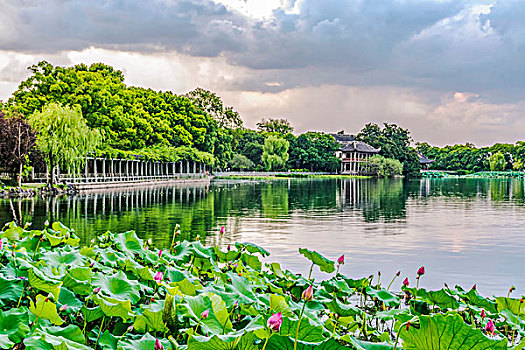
[{"x": 464, "y": 231}]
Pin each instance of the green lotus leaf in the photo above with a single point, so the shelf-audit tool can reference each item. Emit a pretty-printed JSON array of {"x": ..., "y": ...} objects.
[
  {"x": 14, "y": 323},
  {"x": 45, "y": 309},
  {"x": 146, "y": 342},
  {"x": 475, "y": 299},
  {"x": 41, "y": 282},
  {"x": 252, "y": 248},
  {"x": 337, "y": 286},
  {"x": 215, "y": 342},
  {"x": 92, "y": 314},
  {"x": 114, "y": 307},
  {"x": 308, "y": 331},
  {"x": 324, "y": 264},
  {"x": 441, "y": 298},
  {"x": 202, "y": 252},
  {"x": 129, "y": 243},
  {"x": 279, "y": 303},
  {"x": 365, "y": 345},
  {"x": 108, "y": 341},
  {"x": 223, "y": 257},
  {"x": 10, "y": 290},
  {"x": 151, "y": 319},
  {"x": 43, "y": 341},
  {"x": 13, "y": 233},
  {"x": 195, "y": 306},
  {"x": 440, "y": 332},
  {"x": 252, "y": 261},
  {"x": 118, "y": 286},
  {"x": 183, "y": 252},
  {"x": 389, "y": 299},
  {"x": 279, "y": 342},
  {"x": 511, "y": 304},
  {"x": 65, "y": 257},
  {"x": 5, "y": 343},
  {"x": 68, "y": 298},
  {"x": 341, "y": 309},
  {"x": 78, "y": 280},
  {"x": 357, "y": 284}
]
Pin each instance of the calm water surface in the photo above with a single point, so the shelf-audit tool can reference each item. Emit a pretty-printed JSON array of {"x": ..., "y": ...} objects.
[{"x": 463, "y": 231}]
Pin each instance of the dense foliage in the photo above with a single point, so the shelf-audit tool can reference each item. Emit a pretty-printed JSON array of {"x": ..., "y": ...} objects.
[
  {"x": 121, "y": 293},
  {"x": 63, "y": 137},
  {"x": 130, "y": 118},
  {"x": 470, "y": 158},
  {"x": 279, "y": 126},
  {"x": 17, "y": 140},
  {"x": 394, "y": 143},
  {"x": 275, "y": 153},
  {"x": 313, "y": 151},
  {"x": 380, "y": 166}
]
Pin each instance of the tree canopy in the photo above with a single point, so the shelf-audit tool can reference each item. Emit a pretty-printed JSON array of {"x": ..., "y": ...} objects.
[
  {"x": 275, "y": 153},
  {"x": 63, "y": 136},
  {"x": 280, "y": 126}
]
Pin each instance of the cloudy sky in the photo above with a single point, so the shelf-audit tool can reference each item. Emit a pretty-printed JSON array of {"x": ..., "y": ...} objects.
[{"x": 451, "y": 71}]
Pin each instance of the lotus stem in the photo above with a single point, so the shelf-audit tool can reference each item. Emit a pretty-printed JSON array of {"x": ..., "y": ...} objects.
[
  {"x": 100, "y": 331},
  {"x": 516, "y": 324},
  {"x": 398, "y": 333},
  {"x": 390, "y": 284},
  {"x": 299, "y": 322},
  {"x": 21, "y": 295},
  {"x": 36, "y": 249},
  {"x": 266, "y": 342},
  {"x": 311, "y": 269}
]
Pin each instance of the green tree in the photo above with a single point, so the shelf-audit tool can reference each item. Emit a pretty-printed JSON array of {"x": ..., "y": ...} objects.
[
  {"x": 383, "y": 167},
  {"x": 17, "y": 140},
  {"x": 517, "y": 165},
  {"x": 280, "y": 126},
  {"x": 394, "y": 143},
  {"x": 275, "y": 153},
  {"x": 212, "y": 105},
  {"x": 314, "y": 151},
  {"x": 240, "y": 162},
  {"x": 63, "y": 136},
  {"x": 497, "y": 162}
]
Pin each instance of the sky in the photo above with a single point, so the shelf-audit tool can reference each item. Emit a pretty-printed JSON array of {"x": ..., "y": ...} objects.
[{"x": 450, "y": 71}]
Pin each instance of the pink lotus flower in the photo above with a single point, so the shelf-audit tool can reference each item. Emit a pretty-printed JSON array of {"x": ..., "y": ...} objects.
[
  {"x": 421, "y": 271},
  {"x": 275, "y": 322},
  {"x": 490, "y": 327},
  {"x": 483, "y": 314},
  {"x": 1, "y": 243},
  {"x": 158, "y": 277},
  {"x": 405, "y": 282},
  {"x": 341, "y": 260},
  {"x": 308, "y": 293},
  {"x": 158, "y": 345},
  {"x": 160, "y": 253},
  {"x": 205, "y": 314},
  {"x": 96, "y": 290},
  {"x": 222, "y": 230},
  {"x": 63, "y": 308}
]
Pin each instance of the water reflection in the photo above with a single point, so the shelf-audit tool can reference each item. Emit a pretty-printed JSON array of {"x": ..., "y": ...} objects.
[{"x": 450, "y": 225}]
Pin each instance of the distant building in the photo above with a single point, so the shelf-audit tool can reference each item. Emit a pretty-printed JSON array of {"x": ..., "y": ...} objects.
[
  {"x": 424, "y": 162},
  {"x": 353, "y": 154}
]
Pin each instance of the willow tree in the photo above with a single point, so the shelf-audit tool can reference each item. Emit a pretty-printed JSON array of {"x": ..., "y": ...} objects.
[
  {"x": 275, "y": 153},
  {"x": 63, "y": 137}
]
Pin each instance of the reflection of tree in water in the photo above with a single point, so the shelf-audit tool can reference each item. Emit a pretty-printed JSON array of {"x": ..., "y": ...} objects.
[
  {"x": 378, "y": 199},
  {"x": 274, "y": 200}
]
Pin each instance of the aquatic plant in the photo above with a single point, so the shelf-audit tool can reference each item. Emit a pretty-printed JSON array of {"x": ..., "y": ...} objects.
[{"x": 121, "y": 293}]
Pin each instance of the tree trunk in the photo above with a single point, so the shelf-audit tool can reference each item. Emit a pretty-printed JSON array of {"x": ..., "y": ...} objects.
[
  {"x": 19, "y": 179},
  {"x": 51, "y": 179}
]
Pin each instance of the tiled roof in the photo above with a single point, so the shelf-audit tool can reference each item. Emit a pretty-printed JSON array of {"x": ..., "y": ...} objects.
[
  {"x": 424, "y": 160},
  {"x": 358, "y": 146}
]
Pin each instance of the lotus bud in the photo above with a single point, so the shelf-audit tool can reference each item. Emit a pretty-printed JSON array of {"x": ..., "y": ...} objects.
[
  {"x": 46, "y": 224},
  {"x": 222, "y": 230},
  {"x": 511, "y": 289},
  {"x": 228, "y": 248},
  {"x": 1, "y": 244},
  {"x": 28, "y": 224},
  {"x": 158, "y": 277},
  {"x": 490, "y": 327},
  {"x": 92, "y": 264},
  {"x": 308, "y": 293},
  {"x": 474, "y": 287},
  {"x": 421, "y": 271},
  {"x": 275, "y": 322},
  {"x": 150, "y": 241},
  {"x": 97, "y": 290},
  {"x": 198, "y": 238},
  {"x": 158, "y": 345},
  {"x": 63, "y": 308},
  {"x": 398, "y": 273},
  {"x": 130, "y": 329},
  {"x": 205, "y": 314},
  {"x": 405, "y": 282},
  {"x": 407, "y": 327},
  {"x": 92, "y": 241},
  {"x": 341, "y": 260},
  {"x": 160, "y": 253},
  {"x": 483, "y": 314}
]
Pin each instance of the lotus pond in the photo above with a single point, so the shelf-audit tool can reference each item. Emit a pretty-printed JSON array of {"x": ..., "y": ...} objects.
[{"x": 119, "y": 292}]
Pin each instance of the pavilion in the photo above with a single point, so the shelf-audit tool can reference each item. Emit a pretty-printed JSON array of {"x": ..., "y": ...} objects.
[{"x": 353, "y": 154}]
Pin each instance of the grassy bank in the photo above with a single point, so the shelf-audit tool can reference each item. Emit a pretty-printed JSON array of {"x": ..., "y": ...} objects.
[
  {"x": 289, "y": 176},
  {"x": 121, "y": 293}
]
